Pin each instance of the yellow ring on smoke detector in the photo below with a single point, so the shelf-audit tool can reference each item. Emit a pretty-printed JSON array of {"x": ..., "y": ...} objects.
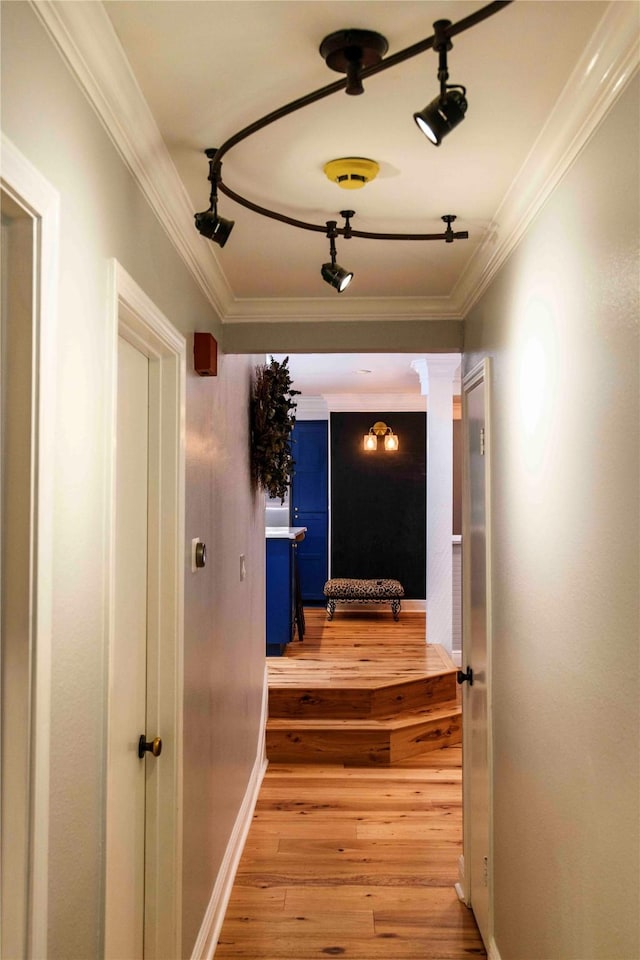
[{"x": 351, "y": 173}]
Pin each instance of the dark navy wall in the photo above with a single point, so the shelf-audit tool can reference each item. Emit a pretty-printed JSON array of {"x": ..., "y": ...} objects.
[{"x": 378, "y": 501}]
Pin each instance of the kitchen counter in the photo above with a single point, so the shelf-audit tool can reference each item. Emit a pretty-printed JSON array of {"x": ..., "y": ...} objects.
[{"x": 285, "y": 533}]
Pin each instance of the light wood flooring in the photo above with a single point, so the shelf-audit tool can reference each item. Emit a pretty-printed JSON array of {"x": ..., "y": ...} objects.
[
  {"x": 361, "y": 689},
  {"x": 351, "y": 861}
]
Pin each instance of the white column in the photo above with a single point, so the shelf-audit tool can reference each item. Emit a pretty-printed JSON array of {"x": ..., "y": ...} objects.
[{"x": 436, "y": 379}]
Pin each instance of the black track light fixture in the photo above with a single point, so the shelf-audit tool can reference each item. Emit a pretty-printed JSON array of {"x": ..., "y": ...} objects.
[
  {"x": 213, "y": 227},
  {"x": 332, "y": 273},
  {"x": 208, "y": 223},
  {"x": 448, "y": 109},
  {"x": 359, "y": 54}
]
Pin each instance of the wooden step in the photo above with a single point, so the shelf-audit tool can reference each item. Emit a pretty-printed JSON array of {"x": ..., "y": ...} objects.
[
  {"x": 337, "y": 688},
  {"x": 379, "y": 741}
]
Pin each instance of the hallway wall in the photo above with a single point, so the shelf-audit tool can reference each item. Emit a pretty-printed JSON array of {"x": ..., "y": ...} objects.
[
  {"x": 561, "y": 326},
  {"x": 104, "y": 215}
]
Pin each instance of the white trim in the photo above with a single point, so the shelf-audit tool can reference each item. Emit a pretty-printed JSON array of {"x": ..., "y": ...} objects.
[
  {"x": 493, "y": 953},
  {"x": 136, "y": 318},
  {"x": 480, "y": 373},
  {"x": 312, "y": 408},
  {"x": 207, "y": 939},
  {"x": 369, "y": 402},
  {"x": 88, "y": 42},
  {"x": 86, "y": 39},
  {"x": 321, "y": 309},
  {"x": 26, "y": 185},
  {"x": 461, "y": 886},
  {"x": 607, "y": 64}
]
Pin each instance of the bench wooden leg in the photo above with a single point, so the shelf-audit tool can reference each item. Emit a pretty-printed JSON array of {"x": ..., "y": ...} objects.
[
  {"x": 331, "y": 609},
  {"x": 395, "y": 609}
]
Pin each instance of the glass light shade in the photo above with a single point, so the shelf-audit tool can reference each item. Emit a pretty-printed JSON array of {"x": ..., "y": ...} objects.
[
  {"x": 391, "y": 442},
  {"x": 370, "y": 441}
]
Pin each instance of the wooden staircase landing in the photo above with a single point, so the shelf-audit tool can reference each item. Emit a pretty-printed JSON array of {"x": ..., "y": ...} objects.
[{"x": 361, "y": 690}]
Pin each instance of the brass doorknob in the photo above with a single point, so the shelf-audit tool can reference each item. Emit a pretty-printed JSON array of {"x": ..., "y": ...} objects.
[{"x": 154, "y": 747}]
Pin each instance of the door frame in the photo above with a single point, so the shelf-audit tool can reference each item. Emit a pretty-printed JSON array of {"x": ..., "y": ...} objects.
[
  {"x": 481, "y": 373},
  {"x": 40, "y": 201},
  {"x": 135, "y": 317}
]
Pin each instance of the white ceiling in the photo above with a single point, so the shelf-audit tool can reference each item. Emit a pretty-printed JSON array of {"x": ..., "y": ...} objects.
[
  {"x": 208, "y": 68},
  {"x": 355, "y": 374}
]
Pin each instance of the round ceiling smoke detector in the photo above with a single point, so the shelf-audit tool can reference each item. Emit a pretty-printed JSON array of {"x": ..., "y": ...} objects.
[{"x": 351, "y": 173}]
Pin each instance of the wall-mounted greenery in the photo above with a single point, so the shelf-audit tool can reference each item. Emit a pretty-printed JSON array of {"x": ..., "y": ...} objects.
[{"x": 272, "y": 419}]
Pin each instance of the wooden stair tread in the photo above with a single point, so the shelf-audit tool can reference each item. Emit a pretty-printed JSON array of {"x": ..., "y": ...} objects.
[
  {"x": 441, "y": 712},
  {"x": 320, "y": 673}
]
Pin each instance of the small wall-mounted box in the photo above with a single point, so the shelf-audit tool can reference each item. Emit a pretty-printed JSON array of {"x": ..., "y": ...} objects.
[{"x": 205, "y": 355}]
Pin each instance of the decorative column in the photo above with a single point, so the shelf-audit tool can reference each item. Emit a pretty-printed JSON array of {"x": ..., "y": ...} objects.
[{"x": 436, "y": 380}]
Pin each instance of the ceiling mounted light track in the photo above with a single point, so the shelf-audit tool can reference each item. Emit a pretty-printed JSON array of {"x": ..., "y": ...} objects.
[
  {"x": 351, "y": 52},
  {"x": 359, "y": 54}
]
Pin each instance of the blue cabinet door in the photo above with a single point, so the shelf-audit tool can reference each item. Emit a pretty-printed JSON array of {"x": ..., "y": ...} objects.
[
  {"x": 310, "y": 505},
  {"x": 279, "y": 595}
]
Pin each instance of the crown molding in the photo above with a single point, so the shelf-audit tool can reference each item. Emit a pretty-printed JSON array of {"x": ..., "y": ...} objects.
[
  {"x": 607, "y": 64},
  {"x": 370, "y": 402},
  {"x": 88, "y": 43},
  {"x": 316, "y": 309},
  {"x": 312, "y": 408}
]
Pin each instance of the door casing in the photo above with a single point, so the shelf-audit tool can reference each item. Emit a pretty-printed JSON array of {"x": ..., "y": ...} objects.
[
  {"x": 480, "y": 374},
  {"x": 39, "y": 202},
  {"x": 136, "y": 319}
]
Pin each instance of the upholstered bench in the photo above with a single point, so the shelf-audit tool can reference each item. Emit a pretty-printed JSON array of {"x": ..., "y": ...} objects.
[{"x": 347, "y": 590}]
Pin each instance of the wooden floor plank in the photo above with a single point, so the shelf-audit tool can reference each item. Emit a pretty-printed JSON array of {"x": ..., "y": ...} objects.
[{"x": 349, "y": 861}]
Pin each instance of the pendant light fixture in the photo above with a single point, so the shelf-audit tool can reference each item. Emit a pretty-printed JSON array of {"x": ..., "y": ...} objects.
[
  {"x": 444, "y": 113},
  {"x": 358, "y": 54}
]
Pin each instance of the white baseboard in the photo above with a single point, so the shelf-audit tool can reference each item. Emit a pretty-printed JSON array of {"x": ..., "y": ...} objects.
[
  {"x": 493, "y": 953},
  {"x": 460, "y": 886},
  {"x": 207, "y": 939}
]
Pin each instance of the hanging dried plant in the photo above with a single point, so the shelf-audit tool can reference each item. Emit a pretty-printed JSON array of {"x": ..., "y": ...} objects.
[{"x": 272, "y": 419}]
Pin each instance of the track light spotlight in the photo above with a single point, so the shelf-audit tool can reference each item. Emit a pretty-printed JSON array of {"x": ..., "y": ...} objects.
[
  {"x": 441, "y": 115},
  {"x": 208, "y": 223},
  {"x": 332, "y": 273},
  {"x": 336, "y": 276},
  {"x": 445, "y": 112},
  {"x": 213, "y": 227}
]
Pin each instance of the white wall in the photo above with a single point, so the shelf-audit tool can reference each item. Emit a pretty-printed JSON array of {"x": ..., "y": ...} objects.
[
  {"x": 103, "y": 215},
  {"x": 561, "y": 324}
]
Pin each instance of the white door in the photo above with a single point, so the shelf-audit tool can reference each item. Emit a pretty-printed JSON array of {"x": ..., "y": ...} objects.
[
  {"x": 476, "y": 658},
  {"x": 124, "y": 933},
  {"x": 16, "y": 570}
]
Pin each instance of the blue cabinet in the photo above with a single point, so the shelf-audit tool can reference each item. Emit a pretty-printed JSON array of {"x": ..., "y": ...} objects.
[
  {"x": 309, "y": 505},
  {"x": 284, "y": 611}
]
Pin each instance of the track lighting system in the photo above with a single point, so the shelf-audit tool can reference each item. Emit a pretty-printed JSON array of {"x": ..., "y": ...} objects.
[
  {"x": 358, "y": 54},
  {"x": 444, "y": 113}
]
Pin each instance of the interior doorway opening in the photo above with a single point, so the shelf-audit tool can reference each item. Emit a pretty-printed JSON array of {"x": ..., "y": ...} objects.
[{"x": 359, "y": 384}]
